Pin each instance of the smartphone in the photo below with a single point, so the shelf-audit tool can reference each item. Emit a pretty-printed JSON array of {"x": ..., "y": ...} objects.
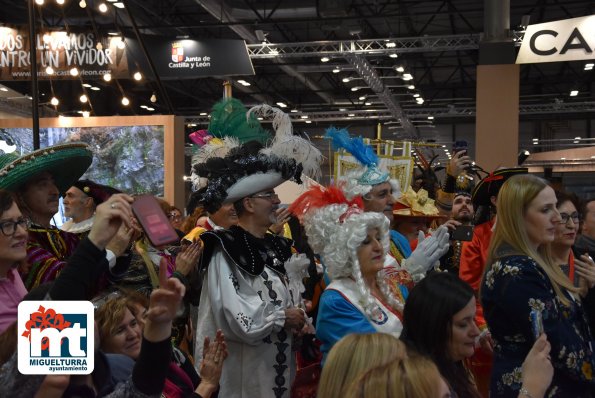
[
  {"x": 464, "y": 232},
  {"x": 460, "y": 146},
  {"x": 154, "y": 221},
  {"x": 536, "y": 323}
]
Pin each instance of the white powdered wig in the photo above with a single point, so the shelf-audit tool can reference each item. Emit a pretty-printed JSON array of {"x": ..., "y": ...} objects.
[
  {"x": 337, "y": 244},
  {"x": 352, "y": 186},
  {"x": 286, "y": 144}
]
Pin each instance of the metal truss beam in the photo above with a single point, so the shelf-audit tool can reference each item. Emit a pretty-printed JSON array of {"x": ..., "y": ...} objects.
[
  {"x": 420, "y": 113},
  {"x": 367, "y": 72},
  {"x": 401, "y": 45}
]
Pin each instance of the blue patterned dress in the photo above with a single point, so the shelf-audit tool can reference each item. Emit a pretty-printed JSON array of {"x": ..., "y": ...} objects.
[{"x": 512, "y": 287}]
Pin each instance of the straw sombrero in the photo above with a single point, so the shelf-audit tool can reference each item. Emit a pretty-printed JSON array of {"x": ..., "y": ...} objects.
[
  {"x": 490, "y": 185},
  {"x": 66, "y": 163}
]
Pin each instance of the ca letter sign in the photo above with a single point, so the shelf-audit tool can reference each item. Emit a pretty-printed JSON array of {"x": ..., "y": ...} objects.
[{"x": 566, "y": 40}]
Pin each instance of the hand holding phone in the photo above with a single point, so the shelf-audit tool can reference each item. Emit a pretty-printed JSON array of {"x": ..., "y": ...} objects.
[{"x": 153, "y": 221}]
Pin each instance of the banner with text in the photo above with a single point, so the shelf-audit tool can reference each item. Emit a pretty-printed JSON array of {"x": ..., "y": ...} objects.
[
  {"x": 187, "y": 59},
  {"x": 61, "y": 51},
  {"x": 566, "y": 40}
]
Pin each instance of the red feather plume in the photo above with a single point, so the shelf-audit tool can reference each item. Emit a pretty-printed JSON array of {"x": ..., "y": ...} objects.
[{"x": 319, "y": 196}]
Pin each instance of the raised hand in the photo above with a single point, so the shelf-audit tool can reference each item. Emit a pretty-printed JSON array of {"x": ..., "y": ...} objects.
[{"x": 109, "y": 216}]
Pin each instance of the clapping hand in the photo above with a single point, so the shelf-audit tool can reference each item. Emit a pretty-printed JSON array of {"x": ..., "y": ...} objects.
[{"x": 585, "y": 268}]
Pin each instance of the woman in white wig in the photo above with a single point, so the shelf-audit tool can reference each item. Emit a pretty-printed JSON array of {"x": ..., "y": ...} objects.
[{"x": 352, "y": 244}]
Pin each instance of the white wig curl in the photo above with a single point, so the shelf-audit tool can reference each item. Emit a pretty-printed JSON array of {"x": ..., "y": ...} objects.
[{"x": 337, "y": 243}]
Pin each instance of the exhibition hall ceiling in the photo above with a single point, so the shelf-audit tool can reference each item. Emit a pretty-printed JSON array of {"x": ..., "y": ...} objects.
[{"x": 408, "y": 50}]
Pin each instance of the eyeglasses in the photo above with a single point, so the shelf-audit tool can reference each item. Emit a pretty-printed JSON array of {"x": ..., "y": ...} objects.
[
  {"x": 268, "y": 195},
  {"x": 565, "y": 217},
  {"x": 9, "y": 228}
]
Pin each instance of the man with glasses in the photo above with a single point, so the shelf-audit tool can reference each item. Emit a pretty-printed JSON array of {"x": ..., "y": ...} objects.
[{"x": 245, "y": 285}]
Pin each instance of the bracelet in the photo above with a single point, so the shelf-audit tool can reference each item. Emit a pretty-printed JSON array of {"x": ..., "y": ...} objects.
[{"x": 525, "y": 392}]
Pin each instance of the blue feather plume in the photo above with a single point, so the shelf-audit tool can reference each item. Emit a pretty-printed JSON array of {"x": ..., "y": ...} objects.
[{"x": 355, "y": 146}]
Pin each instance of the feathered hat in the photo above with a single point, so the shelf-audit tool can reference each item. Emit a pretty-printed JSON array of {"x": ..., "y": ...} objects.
[{"x": 360, "y": 181}]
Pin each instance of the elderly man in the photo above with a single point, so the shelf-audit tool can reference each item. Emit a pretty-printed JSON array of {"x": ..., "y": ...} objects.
[
  {"x": 80, "y": 202},
  {"x": 245, "y": 291}
]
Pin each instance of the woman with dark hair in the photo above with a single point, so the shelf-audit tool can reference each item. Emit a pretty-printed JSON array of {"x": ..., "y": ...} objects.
[
  {"x": 13, "y": 251},
  {"x": 438, "y": 322}
]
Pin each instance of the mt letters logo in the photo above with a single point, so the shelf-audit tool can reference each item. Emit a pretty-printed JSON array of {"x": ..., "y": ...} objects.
[{"x": 56, "y": 337}]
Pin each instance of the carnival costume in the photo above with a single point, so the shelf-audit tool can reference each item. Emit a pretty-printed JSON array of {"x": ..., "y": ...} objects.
[
  {"x": 245, "y": 286},
  {"x": 47, "y": 248},
  {"x": 361, "y": 180},
  {"x": 336, "y": 227}
]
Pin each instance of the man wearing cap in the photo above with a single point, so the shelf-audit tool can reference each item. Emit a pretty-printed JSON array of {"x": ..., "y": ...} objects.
[
  {"x": 244, "y": 290},
  {"x": 80, "y": 202}
]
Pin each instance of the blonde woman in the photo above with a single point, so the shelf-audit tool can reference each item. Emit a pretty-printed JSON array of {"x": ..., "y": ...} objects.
[
  {"x": 353, "y": 355},
  {"x": 521, "y": 283},
  {"x": 414, "y": 377}
]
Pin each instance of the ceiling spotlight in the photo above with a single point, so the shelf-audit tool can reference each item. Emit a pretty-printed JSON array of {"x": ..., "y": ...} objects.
[
  {"x": 308, "y": 121},
  {"x": 119, "y": 5},
  {"x": 294, "y": 111},
  {"x": 39, "y": 2},
  {"x": 336, "y": 70},
  {"x": 74, "y": 71},
  {"x": 416, "y": 95},
  {"x": 87, "y": 85},
  {"x": 47, "y": 38},
  {"x": 362, "y": 98},
  {"x": 125, "y": 101},
  {"x": 282, "y": 104},
  {"x": 411, "y": 87},
  {"x": 150, "y": 109},
  {"x": 574, "y": 93},
  {"x": 121, "y": 44},
  {"x": 83, "y": 98},
  {"x": 138, "y": 76},
  {"x": 86, "y": 113},
  {"x": 420, "y": 100},
  {"x": 407, "y": 76},
  {"x": 351, "y": 114},
  {"x": 346, "y": 80},
  {"x": 394, "y": 55},
  {"x": 54, "y": 101},
  {"x": 60, "y": 2},
  {"x": 99, "y": 46},
  {"x": 95, "y": 88},
  {"x": 354, "y": 88},
  {"x": 102, "y": 7},
  {"x": 391, "y": 44},
  {"x": 368, "y": 103},
  {"x": 203, "y": 114},
  {"x": 400, "y": 69},
  {"x": 153, "y": 98},
  {"x": 325, "y": 59},
  {"x": 49, "y": 70},
  {"x": 304, "y": 117},
  {"x": 3, "y": 89},
  {"x": 107, "y": 77},
  {"x": 82, "y": 4},
  {"x": 430, "y": 117}
]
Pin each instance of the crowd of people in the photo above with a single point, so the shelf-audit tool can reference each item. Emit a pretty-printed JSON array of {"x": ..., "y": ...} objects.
[{"x": 363, "y": 288}]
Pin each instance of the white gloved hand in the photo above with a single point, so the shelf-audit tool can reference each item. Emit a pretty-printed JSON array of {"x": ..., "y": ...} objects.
[{"x": 428, "y": 251}]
